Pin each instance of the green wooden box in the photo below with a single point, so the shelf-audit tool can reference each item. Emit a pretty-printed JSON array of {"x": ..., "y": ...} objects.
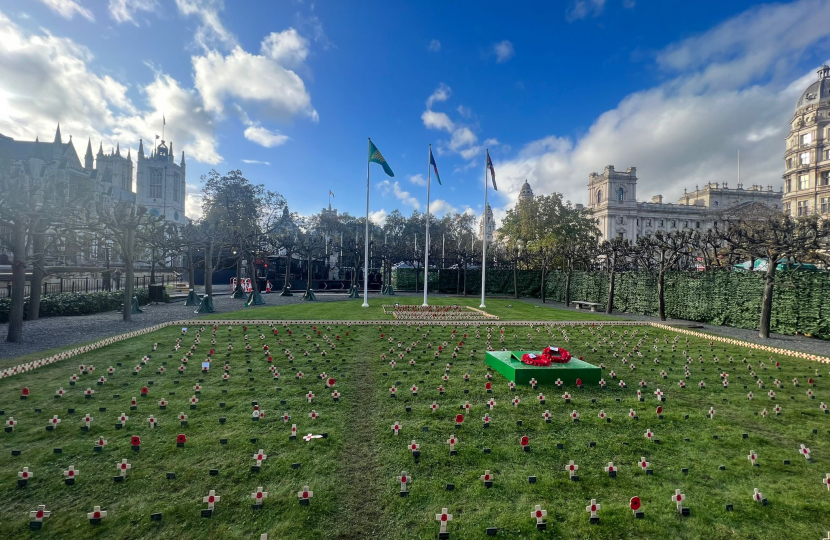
[{"x": 508, "y": 363}]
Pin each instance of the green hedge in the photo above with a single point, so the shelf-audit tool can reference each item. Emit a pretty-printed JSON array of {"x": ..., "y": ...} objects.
[
  {"x": 52, "y": 305},
  {"x": 801, "y": 300}
]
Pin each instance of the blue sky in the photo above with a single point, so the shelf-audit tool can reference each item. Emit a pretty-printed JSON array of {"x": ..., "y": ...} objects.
[{"x": 289, "y": 90}]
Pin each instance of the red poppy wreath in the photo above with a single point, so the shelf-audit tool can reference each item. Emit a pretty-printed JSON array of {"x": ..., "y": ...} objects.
[{"x": 550, "y": 355}]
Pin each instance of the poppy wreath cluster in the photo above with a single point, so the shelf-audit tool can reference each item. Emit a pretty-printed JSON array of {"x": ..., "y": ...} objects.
[
  {"x": 550, "y": 355},
  {"x": 444, "y": 313}
]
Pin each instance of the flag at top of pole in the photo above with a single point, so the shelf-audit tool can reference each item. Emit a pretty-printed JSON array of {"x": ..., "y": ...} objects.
[
  {"x": 374, "y": 157},
  {"x": 426, "y": 236},
  {"x": 492, "y": 171},
  {"x": 488, "y": 166},
  {"x": 434, "y": 166}
]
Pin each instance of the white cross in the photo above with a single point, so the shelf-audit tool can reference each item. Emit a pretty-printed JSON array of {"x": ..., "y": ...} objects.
[
  {"x": 711, "y": 412},
  {"x": 632, "y": 413},
  {"x": 804, "y": 451},
  {"x": 260, "y": 457},
  {"x": 96, "y": 513},
  {"x": 539, "y": 514},
  {"x": 70, "y": 472},
  {"x": 414, "y": 389},
  {"x": 593, "y": 508},
  {"x": 123, "y": 467},
  {"x": 434, "y": 406},
  {"x": 152, "y": 421},
  {"x": 309, "y": 437},
  {"x": 310, "y": 396},
  {"x": 396, "y": 428},
  {"x": 559, "y": 383},
  {"x": 541, "y": 396},
  {"x": 89, "y": 391},
  {"x": 313, "y": 414},
  {"x": 194, "y": 400},
  {"x": 55, "y": 421},
  {"x": 644, "y": 464},
  {"x": 403, "y": 479},
  {"x": 610, "y": 468},
  {"x": 566, "y": 396},
  {"x": 101, "y": 442},
  {"x": 516, "y": 401},
  {"x": 571, "y": 467},
  {"x": 59, "y": 393},
  {"x": 211, "y": 499},
  {"x": 25, "y": 474},
  {"x": 123, "y": 418},
  {"x": 40, "y": 513},
  {"x": 659, "y": 394},
  {"x": 294, "y": 430},
  {"x": 182, "y": 417},
  {"x": 678, "y": 499},
  {"x": 451, "y": 441},
  {"x": 757, "y": 495},
  {"x": 11, "y": 422},
  {"x": 414, "y": 446},
  {"x": 486, "y": 418},
  {"x": 305, "y": 494},
  {"x": 259, "y": 495},
  {"x": 486, "y": 477},
  {"x": 87, "y": 420},
  {"x": 574, "y": 415},
  {"x": 491, "y": 403},
  {"x": 826, "y": 481},
  {"x": 443, "y": 518},
  {"x": 764, "y": 413},
  {"x": 752, "y": 457}
]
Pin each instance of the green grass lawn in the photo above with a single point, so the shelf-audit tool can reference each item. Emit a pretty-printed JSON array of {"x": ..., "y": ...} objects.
[
  {"x": 506, "y": 310},
  {"x": 353, "y": 471}
]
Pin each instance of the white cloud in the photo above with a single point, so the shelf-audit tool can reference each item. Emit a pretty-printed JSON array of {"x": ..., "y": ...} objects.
[
  {"x": 68, "y": 8},
  {"x": 462, "y": 137},
  {"x": 278, "y": 92},
  {"x": 434, "y": 45},
  {"x": 378, "y": 217},
  {"x": 730, "y": 87},
  {"x": 386, "y": 187},
  {"x": 581, "y": 9},
  {"x": 437, "y": 120},
  {"x": 210, "y": 31},
  {"x": 439, "y": 207},
  {"x": 193, "y": 201},
  {"x": 124, "y": 10},
  {"x": 287, "y": 48},
  {"x": 504, "y": 51},
  {"x": 465, "y": 112},
  {"x": 418, "y": 179},
  {"x": 255, "y": 162},
  {"x": 442, "y": 93},
  {"x": 265, "y": 137}
]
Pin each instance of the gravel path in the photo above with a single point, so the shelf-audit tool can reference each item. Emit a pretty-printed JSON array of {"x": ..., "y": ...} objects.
[
  {"x": 52, "y": 332},
  {"x": 795, "y": 343}
]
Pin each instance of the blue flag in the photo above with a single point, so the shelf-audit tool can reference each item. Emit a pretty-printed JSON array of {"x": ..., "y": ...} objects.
[
  {"x": 434, "y": 166},
  {"x": 492, "y": 171}
]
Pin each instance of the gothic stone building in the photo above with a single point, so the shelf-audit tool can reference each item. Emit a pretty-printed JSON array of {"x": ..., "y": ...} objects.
[
  {"x": 613, "y": 199},
  {"x": 807, "y": 154}
]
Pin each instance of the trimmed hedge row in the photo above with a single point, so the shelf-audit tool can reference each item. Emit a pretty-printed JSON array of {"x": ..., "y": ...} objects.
[
  {"x": 52, "y": 305},
  {"x": 801, "y": 300}
]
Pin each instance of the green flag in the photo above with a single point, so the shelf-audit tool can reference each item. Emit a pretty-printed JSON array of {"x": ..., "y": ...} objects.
[{"x": 376, "y": 157}]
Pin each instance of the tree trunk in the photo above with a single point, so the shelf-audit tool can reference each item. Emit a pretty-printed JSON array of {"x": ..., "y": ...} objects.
[
  {"x": 18, "y": 305},
  {"x": 465, "y": 280},
  {"x": 38, "y": 272},
  {"x": 129, "y": 284},
  {"x": 609, "y": 307},
  {"x": 766, "y": 301},
  {"x": 544, "y": 268},
  {"x": 308, "y": 282},
  {"x": 661, "y": 295},
  {"x": 568, "y": 287},
  {"x": 515, "y": 281},
  {"x": 287, "y": 282},
  {"x": 252, "y": 272},
  {"x": 457, "y": 279},
  {"x": 209, "y": 268},
  {"x": 191, "y": 269}
]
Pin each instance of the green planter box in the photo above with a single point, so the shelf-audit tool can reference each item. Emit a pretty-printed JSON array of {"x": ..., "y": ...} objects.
[{"x": 508, "y": 363}]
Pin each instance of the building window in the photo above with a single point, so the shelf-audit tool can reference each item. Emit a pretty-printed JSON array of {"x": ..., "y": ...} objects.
[
  {"x": 599, "y": 196},
  {"x": 827, "y": 154},
  {"x": 789, "y": 163},
  {"x": 697, "y": 225},
  {"x": 619, "y": 221},
  {"x": 685, "y": 224},
  {"x": 673, "y": 223},
  {"x": 824, "y": 204},
  {"x": 804, "y": 158},
  {"x": 788, "y": 208},
  {"x": 155, "y": 183},
  {"x": 825, "y": 178},
  {"x": 177, "y": 186},
  {"x": 662, "y": 222},
  {"x": 807, "y": 138},
  {"x": 789, "y": 185},
  {"x": 638, "y": 222},
  {"x": 802, "y": 208},
  {"x": 620, "y": 235},
  {"x": 648, "y": 222},
  {"x": 620, "y": 194},
  {"x": 803, "y": 181}
]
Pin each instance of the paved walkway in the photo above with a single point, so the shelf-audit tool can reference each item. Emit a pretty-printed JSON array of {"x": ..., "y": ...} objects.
[
  {"x": 51, "y": 332},
  {"x": 795, "y": 343}
]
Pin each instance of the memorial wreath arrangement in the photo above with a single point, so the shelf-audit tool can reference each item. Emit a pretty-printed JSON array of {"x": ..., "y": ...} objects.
[{"x": 550, "y": 355}]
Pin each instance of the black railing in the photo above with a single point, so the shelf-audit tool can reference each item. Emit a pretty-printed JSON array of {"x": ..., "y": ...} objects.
[{"x": 84, "y": 285}]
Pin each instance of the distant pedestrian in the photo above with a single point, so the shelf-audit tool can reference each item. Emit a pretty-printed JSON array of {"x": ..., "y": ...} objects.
[{"x": 118, "y": 279}]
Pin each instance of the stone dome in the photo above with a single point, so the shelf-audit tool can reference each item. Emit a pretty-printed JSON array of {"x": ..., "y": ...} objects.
[{"x": 819, "y": 90}]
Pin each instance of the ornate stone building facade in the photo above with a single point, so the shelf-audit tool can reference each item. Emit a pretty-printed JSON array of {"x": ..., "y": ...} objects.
[
  {"x": 613, "y": 199},
  {"x": 807, "y": 154},
  {"x": 160, "y": 182},
  {"x": 490, "y": 225}
]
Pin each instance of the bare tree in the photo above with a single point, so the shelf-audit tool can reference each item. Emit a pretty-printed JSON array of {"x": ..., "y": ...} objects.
[{"x": 658, "y": 254}]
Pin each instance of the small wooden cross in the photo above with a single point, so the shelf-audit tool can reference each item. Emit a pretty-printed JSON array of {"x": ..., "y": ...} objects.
[
  {"x": 54, "y": 421},
  {"x": 11, "y": 422},
  {"x": 123, "y": 467},
  {"x": 123, "y": 419},
  {"x": 211, "y": 499},
  {"x": 313, "y": 414},
  {"x": 452, "y": 441},
  {"x": 25, "y": 474},
  {"x": 310, "y": 396},
  {"x": 434, "y": 406},
  {"x": 443, "y": 518},
  {"x": 644, "y": 464},
  {"x": 413, "y": 446},
  {"x": 259, "y": 495},
  {"x": 572, "y": 467},
  {"x": 70, "y": 472},
  {"x": 152, "y": 421},
  {"x": 491, "y": 403},
  {"x": 678, "y": 499},
  {"x": 659, "y": 394},
  {"x": 574, "y": 416},
  {"x": 96, "y": 513},
  {"x": 632, "y": 413},
  {"x": 516, "y": 401},
  {"x": 404, "y": 479},
  {"x": 649, "y": 435},
  {"x": 305, "y": 494},
  {"x": 593, "y": 508},
  {"x": 260, "y": 457},
  {"x": 610, "y": 468},
  {"x": 757, "y": 496},
  {"x": 486, "y": 477},
  {"x": 826, "y": 481},
  {"x": 396, "y": 428},
  {"x": 40, "y": 513},
  {"x": 804, "y": 451},
  {"x": 539, "y": 514}
]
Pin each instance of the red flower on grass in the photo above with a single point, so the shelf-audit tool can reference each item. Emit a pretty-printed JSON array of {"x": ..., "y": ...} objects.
[
  {"x": 181, "y": 438},
  {"x": 525, "y": 441},
  {"x": 135, "y": 440},
  {"x": 24, "y": 391},
  {"x": 635, "y": 503},
  {"x": 144, "y": 390},
  {"x": 459, "y": 418}
]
